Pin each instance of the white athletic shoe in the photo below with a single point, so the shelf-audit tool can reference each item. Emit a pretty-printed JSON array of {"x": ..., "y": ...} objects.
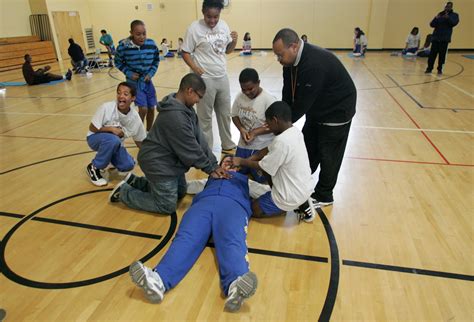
[
  {"x": 148, "y": 280},
  {"x": 307, "y": 211},
  {"x": 240, "y": 289},
  {"x": 95, "y": 175}
]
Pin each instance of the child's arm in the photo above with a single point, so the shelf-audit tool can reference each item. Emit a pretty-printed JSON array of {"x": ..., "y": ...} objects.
[
  {"x": 251, "y": 162},
  {"x": 259, "y": 131},
  {"x": 190, "y": 62},
  {"x": 243, "y": 132},
  {"x": 154, "y": 65},
  {"x": 107, "y": 129}
]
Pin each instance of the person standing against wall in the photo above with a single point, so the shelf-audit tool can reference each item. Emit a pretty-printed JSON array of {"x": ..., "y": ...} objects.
[
  {"x": 316, "y": 84},
  {"x": 209, "y": 40},
  {"x": 443, "y": 25}
]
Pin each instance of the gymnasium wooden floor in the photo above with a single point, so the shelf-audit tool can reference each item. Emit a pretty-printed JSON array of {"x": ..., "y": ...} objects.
[{"x": 396, "y": 245}]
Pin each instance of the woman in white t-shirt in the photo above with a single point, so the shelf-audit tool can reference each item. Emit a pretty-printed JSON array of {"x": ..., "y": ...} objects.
[
  {"x": 412, "y": 43},
  {"x": 209, "y": 40},
  {"x": 360, "y": 42},
  {"x": 248, "y": 115}
]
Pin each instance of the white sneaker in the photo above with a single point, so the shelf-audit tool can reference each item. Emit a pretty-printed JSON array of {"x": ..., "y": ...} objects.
[
  {"x": 240, "y": 289},
  {"x": 95, "y": 175},
  {"x": 148, "y": 280}
]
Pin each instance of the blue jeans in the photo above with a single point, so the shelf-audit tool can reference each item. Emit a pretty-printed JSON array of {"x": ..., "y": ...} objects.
[
  {"x": 157, "y": 197},
  {"x": 110, "y": 150},
  {"x": 227, "y": 222}
]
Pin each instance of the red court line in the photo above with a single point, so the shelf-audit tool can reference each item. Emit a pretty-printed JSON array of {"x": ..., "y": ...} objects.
[
  {"x": 407, "y": 114},
  {"x": 40, "y": 138},
  {"x": 416, "y": 124},
  {"x": 410, "y": 161}
]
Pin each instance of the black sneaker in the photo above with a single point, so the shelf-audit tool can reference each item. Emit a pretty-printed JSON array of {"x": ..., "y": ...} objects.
[
  {"x": 115, "y": 194},
  {"x": 69, "y": 75},
  {"x": 307, "y": 211},
  {"x": 440, "y": 72},
  {"x": 95, "y": 176},
  {"x": 428, "y": 71}
]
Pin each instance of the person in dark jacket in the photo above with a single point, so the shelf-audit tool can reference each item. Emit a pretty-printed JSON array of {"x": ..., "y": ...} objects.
[
  {"x": 222, "y": 210},
  {"x": 41, "y": 75},
  {"x": 78, "y": 60},
  {"x": 174, "y": 144},
  {"x": 316, "y": 84},
  {"x": 443, "y": 25}
]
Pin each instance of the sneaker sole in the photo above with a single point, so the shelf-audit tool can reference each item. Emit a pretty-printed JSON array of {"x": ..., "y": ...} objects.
[
  {"x": 246, "y": 286},
  {"x": 138, "y": 276}
]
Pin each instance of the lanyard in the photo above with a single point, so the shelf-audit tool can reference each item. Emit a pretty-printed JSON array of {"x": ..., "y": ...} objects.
[{"x": 293, "y": 83}]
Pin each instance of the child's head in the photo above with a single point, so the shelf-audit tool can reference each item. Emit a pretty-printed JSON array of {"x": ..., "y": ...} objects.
[
  {"x": 414, "y": 31},
  {"x": 249, "y": 83},
  {"x": 278, "y": 117},
  {"x": 71, "y": 41},
  {"x": 180, "y": 40},
  {"x": 211, "y": 10},
  {"x": 138, "y": 32},
  {"x": 164, "y": 41},
  {"x": 126, "y": 93},
  {"x": 247, "y": 36},
  {"x": 192, "y": 88},
  {"x": 304, "y": 38},
  {"x": 103, "y": 31},
  {"x": 27, "y": 58},
  {"x": 227, "y": 163}
]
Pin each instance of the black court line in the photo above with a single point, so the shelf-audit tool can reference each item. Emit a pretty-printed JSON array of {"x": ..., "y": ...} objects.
[
  {"x": 86, "y": 226},
  {"x": 52, "y": 159},
  {"x": 426, "y": 107},
  {"x": 409, "y": 270},
  {"x": 282, "y": 254},
  {"x": 334, "y": 277}
]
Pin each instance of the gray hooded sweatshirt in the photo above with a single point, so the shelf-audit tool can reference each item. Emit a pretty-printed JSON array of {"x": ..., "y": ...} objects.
[{"x": 175, "y": 143}]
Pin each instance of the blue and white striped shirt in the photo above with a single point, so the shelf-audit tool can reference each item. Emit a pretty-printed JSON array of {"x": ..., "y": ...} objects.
[{"x": 143, "y": 60}]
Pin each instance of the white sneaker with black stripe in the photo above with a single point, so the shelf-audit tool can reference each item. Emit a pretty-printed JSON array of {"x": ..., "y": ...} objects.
[
  {"x": 95, "y": 176},
  {"x": 242, "y": 288}
]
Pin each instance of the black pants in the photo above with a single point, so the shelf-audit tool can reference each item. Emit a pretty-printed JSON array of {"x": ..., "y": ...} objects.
[
  {"x": 45, "y": 78},
  {"x": 325, "y": 146},
  {"x": 437, "y": 47}
]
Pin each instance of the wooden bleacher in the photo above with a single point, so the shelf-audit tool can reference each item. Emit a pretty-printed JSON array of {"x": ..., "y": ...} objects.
[{"x": 13, "y": 49}]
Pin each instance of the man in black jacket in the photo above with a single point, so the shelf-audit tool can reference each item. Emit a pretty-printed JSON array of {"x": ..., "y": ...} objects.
[
  {"x": 443, "y": 25},
  {"x": 78, "y": 60},
  {"x": 316, "y": 84}
]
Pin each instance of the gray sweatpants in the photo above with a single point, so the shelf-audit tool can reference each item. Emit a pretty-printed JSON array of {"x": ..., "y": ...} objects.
[{"x": 217, "y": 98}]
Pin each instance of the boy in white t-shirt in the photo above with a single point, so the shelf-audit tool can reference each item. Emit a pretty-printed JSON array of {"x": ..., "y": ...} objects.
[
  {"x": 286, "y": 161},
  {"x": 248, "y": 115},
  {"x": 111, "y": 125}
]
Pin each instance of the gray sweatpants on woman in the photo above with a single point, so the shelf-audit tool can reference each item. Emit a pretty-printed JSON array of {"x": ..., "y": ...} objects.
[{"x": 217, "y": 98}]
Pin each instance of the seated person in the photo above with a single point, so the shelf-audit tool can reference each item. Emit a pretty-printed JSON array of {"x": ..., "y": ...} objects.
[
  {"x": 111, "y": 125},
  {"x": 247, "y": 45},
  {"x": 360, "y": 42},
  {"x": 286, "y": 161},
  {"x": 222, "y": 210},
  {"x": 78, "y": 60},
  {"x": 165, "y": 48},
  {"x": 412, "y": 42},
  {"x": 425, "y": 51},
  {"x": 248, "y": 115},
  {"x": 41, "y": 75}
]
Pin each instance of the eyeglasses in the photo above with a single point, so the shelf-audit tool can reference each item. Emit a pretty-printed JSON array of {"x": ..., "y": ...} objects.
[{"x": 198, "y": 94}]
